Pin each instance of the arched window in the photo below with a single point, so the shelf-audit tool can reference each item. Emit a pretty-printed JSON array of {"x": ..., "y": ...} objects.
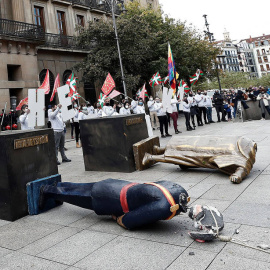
[
  {"x": 42, "y": 76},
  {"x": 66, "y": 74}
]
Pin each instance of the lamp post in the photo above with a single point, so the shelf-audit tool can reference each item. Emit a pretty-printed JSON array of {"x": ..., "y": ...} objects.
[
  {"x": 211, "y": 39},
  {"x": 112, "y": 4}
]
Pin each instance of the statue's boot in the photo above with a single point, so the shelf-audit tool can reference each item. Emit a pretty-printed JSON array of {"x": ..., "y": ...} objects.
[
  {"x": 157, "y": 150},
  {"x": 147, "y": 157}
]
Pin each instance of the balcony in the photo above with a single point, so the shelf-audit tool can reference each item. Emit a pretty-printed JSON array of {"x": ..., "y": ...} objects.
[
  {"x": 62, "y": 42},
  {"x": 13, "y": 30}
]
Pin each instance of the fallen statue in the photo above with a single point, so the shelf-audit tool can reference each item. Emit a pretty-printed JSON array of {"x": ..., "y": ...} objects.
[
  {"x": 232, "y": 155},
  {"x": 131, "y": 204}
]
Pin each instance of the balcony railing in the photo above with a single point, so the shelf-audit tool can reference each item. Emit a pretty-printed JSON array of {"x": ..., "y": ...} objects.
[
  {"x": 22, "y": 31},
  {"x": 62, "y": 41}
]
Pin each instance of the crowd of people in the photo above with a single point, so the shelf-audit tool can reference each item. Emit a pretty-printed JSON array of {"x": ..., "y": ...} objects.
[{"x": 197, "y": 109}]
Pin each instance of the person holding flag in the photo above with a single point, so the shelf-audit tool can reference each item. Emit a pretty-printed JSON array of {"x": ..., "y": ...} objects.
[{"x": 76, "y": 123}]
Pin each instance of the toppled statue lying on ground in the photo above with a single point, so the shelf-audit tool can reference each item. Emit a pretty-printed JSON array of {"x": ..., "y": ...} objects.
[
  {"x": 131, "y": 204},
  {"x": 232, "y": 155}
]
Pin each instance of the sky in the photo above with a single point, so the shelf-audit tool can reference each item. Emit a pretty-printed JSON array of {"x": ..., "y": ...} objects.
[{"x": 241, "y": 18}]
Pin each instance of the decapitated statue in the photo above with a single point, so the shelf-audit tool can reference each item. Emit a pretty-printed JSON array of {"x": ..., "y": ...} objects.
[{"x": 232, "y": 155}]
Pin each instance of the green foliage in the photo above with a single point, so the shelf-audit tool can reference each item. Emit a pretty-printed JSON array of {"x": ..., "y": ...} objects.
[{"x": 143, "y": 35}]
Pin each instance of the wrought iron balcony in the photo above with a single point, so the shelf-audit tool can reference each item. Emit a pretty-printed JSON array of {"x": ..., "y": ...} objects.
[
  {"x": 23, "y": 31},
  {"x": 63, "y": 42}
]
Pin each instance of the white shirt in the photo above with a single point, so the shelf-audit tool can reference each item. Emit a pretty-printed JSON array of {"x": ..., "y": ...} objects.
[
  {"x": 56, "y": 120},
  {"x": 159, "y": 109},
  {"x": 134, "y": 105},
  {"x": 199, "y": 100},
  {"x": 90, "y": 110},
  {"x": 76, "y": 115},
  {"x": 24, "y": 122},
  {"x": 124, "y": 111},
  {"x": 151, "y": 105},
  {"x": 208, "y": 101},
  {"x": 140, "y": 109},
  {"x": 108, "y": 110},
  {"x": 173, "y": 104},
  {"x": 82, "y": 116},
  {"x": 186, "y": 107},
  {"x": 192, "y": 101}
]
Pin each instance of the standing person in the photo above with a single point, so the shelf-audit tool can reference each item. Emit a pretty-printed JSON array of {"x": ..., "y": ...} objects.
[
  {"x": 125, "y": 110},
  {"x": 240, "y": 97},
  {"x": 153, "y": 113},
  {"x": 134, "y": 104},
  {"x": 218, "y": 101},
  {"x": 108, "y": 109},
  {"x": 83, "y": 113},
  {"x": 193, "y": 108},
  {"x": 264, "y": 103},
  {"x": 199, "y": 100},
  {"x": 90, "y": 108},
  {"x": 24, "y": 118},
  {"x": 162, "y": 117},
  {"x": 186, "y": 110},
  {"x": 208, "y": 105},
  {"x": 98, "y": 110},
  {"x": 204, "y": 108},
  {"x": 59, "y": 134},
  {"x": 76, "y": 124},
  {"x": 174, "y": 114},
  {"x": 140, "y": 108}
]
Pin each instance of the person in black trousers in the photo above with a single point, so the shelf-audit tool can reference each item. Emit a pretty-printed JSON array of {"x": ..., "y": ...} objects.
[
  {"x": 163, "y": 119},
  {"x": 218, "y": 101}
]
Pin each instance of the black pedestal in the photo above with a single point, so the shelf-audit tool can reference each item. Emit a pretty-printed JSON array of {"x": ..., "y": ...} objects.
[
  {"x": 24, "y": 157},
  {"x": 108, "y": 142}
]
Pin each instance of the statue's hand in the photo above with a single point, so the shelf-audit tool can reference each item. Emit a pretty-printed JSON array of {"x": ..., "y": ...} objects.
[{"x": 235, "y": 179}]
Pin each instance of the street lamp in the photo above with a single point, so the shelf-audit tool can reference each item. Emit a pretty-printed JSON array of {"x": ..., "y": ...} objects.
[
  {"x": 211, "y": 39},
  {"x": 112, "y": 4}
]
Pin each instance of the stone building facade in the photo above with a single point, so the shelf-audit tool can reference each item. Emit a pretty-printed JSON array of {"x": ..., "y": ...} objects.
[{"x": 36, "y": 35}]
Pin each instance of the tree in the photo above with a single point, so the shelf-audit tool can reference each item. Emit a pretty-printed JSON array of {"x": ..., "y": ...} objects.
[{"x": 144, "y": 37}]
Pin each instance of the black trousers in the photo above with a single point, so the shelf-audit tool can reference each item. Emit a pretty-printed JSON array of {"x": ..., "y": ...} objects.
[
  {"x": 163, "y": 122},
  {"x": 77, "y": 131},
  {"x": 203, "y": 113},
  {"x": 187, "y": 117},
  {"x": 220, "y": 109}
]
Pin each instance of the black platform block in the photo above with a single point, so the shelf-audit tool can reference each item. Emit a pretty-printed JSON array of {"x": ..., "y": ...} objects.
[
  {"x": 24, "y": 157},
  {"x": 108, "y": 142}
]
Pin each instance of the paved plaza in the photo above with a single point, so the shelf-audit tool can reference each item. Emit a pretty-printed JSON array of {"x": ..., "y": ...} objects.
[{"x": 72, "y": 238}]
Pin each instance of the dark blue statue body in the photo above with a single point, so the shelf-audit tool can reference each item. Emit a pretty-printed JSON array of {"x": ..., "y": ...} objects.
[{"x": 146, "y": 203}]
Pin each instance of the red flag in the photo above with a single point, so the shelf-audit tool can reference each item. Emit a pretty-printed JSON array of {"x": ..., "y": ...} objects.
[
  {"x": 108, "y": 85},
  {"x": 56, "y": 85},
  {"x": 142, "y": 93},
  {"x": 46, "y": 83},
  {"x": 114, "y": 94},
  {"x": 22, "y": 102}
]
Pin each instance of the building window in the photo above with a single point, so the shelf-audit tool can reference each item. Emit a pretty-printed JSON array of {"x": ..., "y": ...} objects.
[
  {"x": 263, "y": 51},
  {"x": 39, "y": 16},
  {"x": 258, "y": 52},
  {"x": 61, "y": 23},
  {"x": 265, "y": 59},
  {"x": 259, "y": 59},
  {"x": 267, "y": 67},
  {"x": 96, "y": 19},
  {"x": 262, "y": 68},
  {"x": 80, "y": 20}
]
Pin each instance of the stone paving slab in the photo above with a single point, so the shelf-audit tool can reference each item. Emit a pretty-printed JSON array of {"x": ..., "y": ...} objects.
[
  {"x": 200, "y": 260},
  {"x": 4, "y": 251},
  {"x": 130, "y": 253},
  {"x": 76, "y": 247}
]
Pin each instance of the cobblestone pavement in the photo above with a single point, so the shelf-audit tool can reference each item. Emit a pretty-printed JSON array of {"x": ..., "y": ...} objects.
[{"x": 72, "y": 238}]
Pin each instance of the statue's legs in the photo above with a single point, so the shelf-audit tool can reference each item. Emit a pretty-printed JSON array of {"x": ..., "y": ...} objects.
[
  {"x": 239, "y": 175},
  {"x": 76, "y": 194},
  {"x": 158, "y": 150}
]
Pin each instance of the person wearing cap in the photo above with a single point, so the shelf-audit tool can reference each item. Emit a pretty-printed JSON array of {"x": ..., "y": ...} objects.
[
  {"x": 132, "y": 205},
  {"x": 58, "y": 126}
]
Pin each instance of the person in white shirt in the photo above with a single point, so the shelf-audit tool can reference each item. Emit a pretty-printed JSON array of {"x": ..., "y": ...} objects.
[
  {"x": 134, "y": 104},
  {"x": 140, "y": 108},
  {"x": 24, "y": 118},
  {"x": 174, "y": 114},
  {"x": 186, "y": 111},
  {"x": 193, "y": 107},
  {"x": 162, "y": 117},
  {"x": 208, "y": 105},
  {"x": 125, "y": 110},
  {"x": 76, "y": 124},
  {"x": 59, "y": 134},
  {"x": 108, "y": 109},
  {"x": 153, "y": 113},
  {"x": 98, "y": 110},
  {"x": 90, "y": 108},
  {"x": 199, "y": 99},
  {"x": 83, "y": 113}
]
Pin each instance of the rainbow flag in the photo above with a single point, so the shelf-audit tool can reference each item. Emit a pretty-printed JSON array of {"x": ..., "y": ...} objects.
[{"x": 171, "y": 69}]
